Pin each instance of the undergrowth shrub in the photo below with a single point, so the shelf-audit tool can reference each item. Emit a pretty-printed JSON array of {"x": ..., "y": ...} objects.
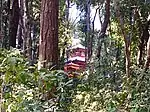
[
  {"x": 24, "y": 88},
  {"x": 103, "y": 93}
]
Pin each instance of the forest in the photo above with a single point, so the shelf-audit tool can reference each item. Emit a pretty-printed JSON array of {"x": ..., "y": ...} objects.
[{"x": 53, "y": 60}]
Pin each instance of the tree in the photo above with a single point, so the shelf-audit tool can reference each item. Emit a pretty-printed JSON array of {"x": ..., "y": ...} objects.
[
  {"x": 48, "y": 44},
  {"x": 147, "y": 63},
  {"x": 14, "y": 21},
  {"x": 104, "y": 25},
  {"x": 89, "y": 41},
  {"x": 127, "y": 39},
  {"x": 0, "y": 19}
]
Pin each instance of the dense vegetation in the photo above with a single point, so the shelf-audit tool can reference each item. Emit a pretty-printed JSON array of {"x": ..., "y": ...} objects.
[{"x": 33, "y": 52}]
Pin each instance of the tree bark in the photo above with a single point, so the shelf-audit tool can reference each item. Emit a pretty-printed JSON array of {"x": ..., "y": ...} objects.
[
  {"x": 48, "y": 45},
  {"x": 14, "y": 21},
  {"x": 147, "y": 63},
  {"x": 28, "y": 23},
  {"x": 143, "y": 42},
  {"x": 21, "y": 26},
  {"x": 6, "y": 26},
  {"x": 126, "y": 38},
  {"x": 0, "y": 20},
  {"x": 93, "y": 31},
  {"x": 24, "y": 24},
  {"x": 104, "y": 24},
  {"x": 20, "y": 35},
  {"x": 88, "y": 28}
]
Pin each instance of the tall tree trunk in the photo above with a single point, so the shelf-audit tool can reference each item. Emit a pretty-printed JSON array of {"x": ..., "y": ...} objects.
[
  {"x": 14, "y": 21},
  {"x": 21, "y": 26},
  {"x": 147, "y": 63},
  {"x": 28, "y": 23},
  {"x": 93, "y": 31},
  {"x": 23, "y": 21},
  {"x": 20, "y": 35},
  {"x": 48, "y": 45},
  {"x": 0, "y": 21},
  {"x": 88, "y": 37},
  {"x": 143, "y": 42},
  {"x": 32, "y": 35},
  {"x": 5, "y": 40},
  {"x": 34, "y": 50},
  {"x": 1, "y": 96},
  {"x": 127, "y": 39},
  {"x": 104, "y": 25}
]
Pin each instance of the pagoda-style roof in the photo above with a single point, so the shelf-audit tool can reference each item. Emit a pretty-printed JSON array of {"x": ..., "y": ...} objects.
[
  {"x": 77, "y": 58},
  {"x": 71, "y": 66},
  {"x": 77, "y": 46}
]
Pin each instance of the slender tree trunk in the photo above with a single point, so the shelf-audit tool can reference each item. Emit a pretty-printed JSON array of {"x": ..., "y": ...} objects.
[
  {"x": 1, "y": 89},
  {"x": 48, "y": 45},
  {"x": 88, "y": 36},
  {"x": 23, "y": 20},
  {"x": 126, "y": 38},
  {"x": 35, "y": 46},
  {"x": 25, "y": 28},
  {"x": 21, "y": 26},
  {"x": 32, "y": 35},
  {"x": 143, "y": 42},
  {"x": 147, "y": 63},
  {"x": 104, "y": 25},
  {"x": 20, "y": 35},
  {"x": 0, "y": 21},
  {"x": 14, "y": 21},
  {"x": 5, "y": 39},
  {"x": 28, "y": 23},
  {"x": 93, "y": 31}
]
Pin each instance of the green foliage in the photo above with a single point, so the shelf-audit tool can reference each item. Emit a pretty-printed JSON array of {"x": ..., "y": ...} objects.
[
  {"x": 105, "y": 88},
  {"x": 106, "y": 95},
  {"x": 108, "y": 89},
  {"x": 24, "y": 88},
  {"x": 65, "y": 30}
]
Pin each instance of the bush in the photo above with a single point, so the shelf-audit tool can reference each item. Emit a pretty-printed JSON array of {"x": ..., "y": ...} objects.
[
  {"x": 24, "y": 88},
  {"x": 27, "y": 89},
  {"x": 102, "y": 94}
]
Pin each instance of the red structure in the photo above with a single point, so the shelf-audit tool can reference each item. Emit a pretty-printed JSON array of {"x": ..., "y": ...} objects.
[{"x": 75, "y": 60}]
